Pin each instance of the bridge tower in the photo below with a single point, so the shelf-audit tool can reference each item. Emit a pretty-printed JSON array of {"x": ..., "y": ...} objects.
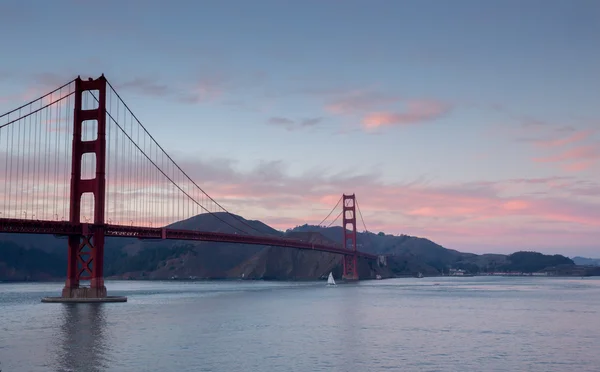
[
  {"x": 86, "y": 251},
  {"x": 349, "y": 227}
]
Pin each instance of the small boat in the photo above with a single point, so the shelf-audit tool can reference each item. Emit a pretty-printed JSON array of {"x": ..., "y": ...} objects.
[{"x": 330, "y": 280}]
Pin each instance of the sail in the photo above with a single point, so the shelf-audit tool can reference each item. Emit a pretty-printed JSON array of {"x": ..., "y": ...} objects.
[{"x": 330, "y": 280}]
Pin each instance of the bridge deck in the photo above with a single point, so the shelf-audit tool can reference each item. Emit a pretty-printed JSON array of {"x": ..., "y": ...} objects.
[{"x": 22, "y": 226}]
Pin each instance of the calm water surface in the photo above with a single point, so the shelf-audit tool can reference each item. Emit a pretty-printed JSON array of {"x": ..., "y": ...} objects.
[{"x": 460, "y": 324}]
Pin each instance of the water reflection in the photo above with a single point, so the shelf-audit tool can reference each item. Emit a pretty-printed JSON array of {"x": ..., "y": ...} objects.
[{"x": 83, "y": 343}]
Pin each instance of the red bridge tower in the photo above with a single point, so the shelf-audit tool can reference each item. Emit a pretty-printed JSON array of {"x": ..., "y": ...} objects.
[
  {"x": 86, "y": 251},
  {"x": 349, "y": 226}
]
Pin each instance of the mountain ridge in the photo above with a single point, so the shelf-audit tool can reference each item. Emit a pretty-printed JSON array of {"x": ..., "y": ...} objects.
[
  {"x": 586, "y": 261},
  {"x": 36, "y": 257}
]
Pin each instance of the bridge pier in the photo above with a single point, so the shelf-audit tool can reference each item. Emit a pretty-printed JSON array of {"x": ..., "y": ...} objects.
[
  {"x": 350, "y": 268},
  {"x": 84, "y": 292}
]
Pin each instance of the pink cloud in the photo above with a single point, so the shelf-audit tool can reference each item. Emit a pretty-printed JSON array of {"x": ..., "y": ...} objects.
[
  {"x": 515, "y": 205},
  {"x": 27, "y": 95},
  {"x": 578, "y": 166},
  {"x": 575, "y": 137},
  {"x": 206, "y": 88},
  {"x": 378, "y": 109},
  {"x": 460, "y": 215},
  {"x": 584, "y": 152},
  {"x": 416, "y": 112},
  {"x": 62, "y": 99},
  {"x": 571, "y": 153},
  {"x": 431, "y": 210},
  {"x": 39, "y": 95},
  {"x": 447, "y": 205}
]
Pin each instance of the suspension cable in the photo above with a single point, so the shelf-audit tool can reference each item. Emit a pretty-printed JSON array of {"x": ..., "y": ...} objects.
[
  {"x": 35, "y": 111},
  {"x": 178, "y": 167},
  {"x": 332, "y": 222},
  {"x": 42, "y": 97},
  {"x": 361, "y": 216},
  {"x": 164, "y": 174},
  {"x": 331, "y": 211},
  {"x": 364, "y": 224}
]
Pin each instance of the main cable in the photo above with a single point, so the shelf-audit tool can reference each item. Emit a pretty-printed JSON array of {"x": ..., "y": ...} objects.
[
  {"x": 33, "y": 112},
  {"x": 364, "y": 224},
  {"x": 164, "y": 174},
  {"x": 178, "y": 167},
  {"x": 331, "y": 211},
  {"x": 40, "y": 98},
  {"x": 332, "y": 222}
]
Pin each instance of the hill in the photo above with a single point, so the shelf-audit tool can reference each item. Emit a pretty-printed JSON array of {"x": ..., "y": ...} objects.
[
  {"x": 410, "y": 255},
  {"x": 40, "y": 257},
  {"x": 586, "y": 261},
  {"x": 37, "y": 257}
]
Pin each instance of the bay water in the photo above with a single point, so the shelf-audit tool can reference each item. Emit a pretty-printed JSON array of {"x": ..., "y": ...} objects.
[{"x": 429, "y": 324}]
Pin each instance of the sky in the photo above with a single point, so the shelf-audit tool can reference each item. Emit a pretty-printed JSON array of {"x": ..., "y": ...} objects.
[{"x": 474, "y": 124}]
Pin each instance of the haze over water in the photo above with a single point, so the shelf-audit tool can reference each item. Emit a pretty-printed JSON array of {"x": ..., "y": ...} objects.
[{"x": 462, "y": 324}]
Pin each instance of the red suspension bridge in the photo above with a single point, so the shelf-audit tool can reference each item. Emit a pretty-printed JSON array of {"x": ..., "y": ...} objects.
[{"x": 77, "y": 162}]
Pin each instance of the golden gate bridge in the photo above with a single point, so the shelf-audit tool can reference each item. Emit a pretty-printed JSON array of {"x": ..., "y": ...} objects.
[{"x": 77, "y": 162}]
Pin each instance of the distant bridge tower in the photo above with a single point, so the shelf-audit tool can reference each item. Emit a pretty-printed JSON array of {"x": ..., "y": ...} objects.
[{"x": 349, "y": 227}]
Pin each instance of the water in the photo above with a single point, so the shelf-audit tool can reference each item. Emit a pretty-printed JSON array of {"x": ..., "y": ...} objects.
[{"x": 462, "y": 324}]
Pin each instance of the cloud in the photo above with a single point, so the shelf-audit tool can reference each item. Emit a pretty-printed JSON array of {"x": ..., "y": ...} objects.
[
  {"x": 566, "y": 129},
  {"x": 205, "y": 89},
  {"x": 310, "y": 122},
  {"x": 145, "y": 86},
  {"x": 50, "y": 80},
  {"x": 42, "y": 110},
  {"x": 454, "y": 215},
  {"x": 514, "y": 213},
  {"x": 575, "y": 159},
  {"x": 292, "y": 125},
  {"x": 359, "y": 101},
  {"x": 216, "y": 85},
  {"x": 543, "y": 180},
  {"x": 577, "y": 153},
  {"x": 377, "y": 109},
  {"x": 572, "y": 148},
  {"x": 277, "y": 120},
  {"x": 578, "y": 166},
  {"x": 576, "y": 136},
  {"x": 200, "y": 90},
  {"x": 18, "y": 99},
  {"x": 41, "y": 85},
  {"x": 533, "y": 123},
  {"x": 415, "y": 112},
  {"x": 462, "y": 201}
]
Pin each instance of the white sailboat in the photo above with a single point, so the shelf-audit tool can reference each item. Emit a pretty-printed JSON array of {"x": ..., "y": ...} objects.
[{"x": 330, "y": 280}]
